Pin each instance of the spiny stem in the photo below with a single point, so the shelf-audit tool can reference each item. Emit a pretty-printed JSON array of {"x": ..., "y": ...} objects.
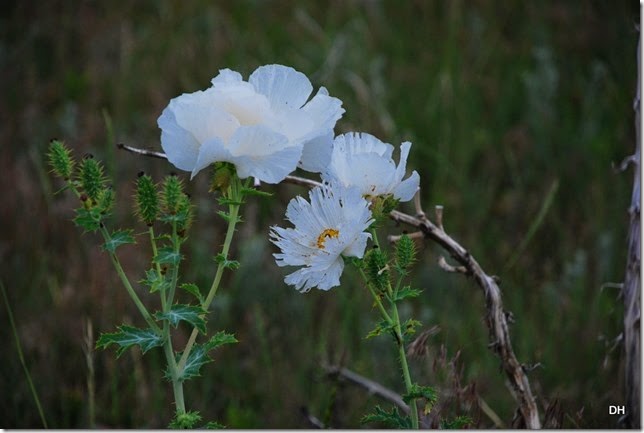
[
  {"x": 130, "y": 290},
  {"x": 403, "y": 364},
  {"x": 234, "y": 194}
]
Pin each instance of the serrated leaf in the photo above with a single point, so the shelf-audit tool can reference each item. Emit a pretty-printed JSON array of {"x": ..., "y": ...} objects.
[
  {"x": 381, "y": 328},
  {"x": 128, "y": 336},
  {"x": 199, "y": 354},
  {"x": 167, "y": 256},
  {"x": 409, "y": 327},
  {"x": 193, "y": 290},
  {"x": 426, "y": 392},
  {"x": 228, "y": 264},
  {"x": 257, "y": 192},
  {"x": 89, "y": 219},
  {"x": 155, "y": 281},
  {"x": 224, "y": 201},
  {"x": 407, "y": 292},
  {"x": 391, "y": 419},
  {"x": 186, "y": 420},
  {"x": 213, "y": 425},
  {"x": 458, "y": 423},
  {"x": 188, "y": 313},
  {"x": 117, "y": 239}
]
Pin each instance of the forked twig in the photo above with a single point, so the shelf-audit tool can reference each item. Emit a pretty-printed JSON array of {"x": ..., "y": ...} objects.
[{"x": 496, "y": 317}]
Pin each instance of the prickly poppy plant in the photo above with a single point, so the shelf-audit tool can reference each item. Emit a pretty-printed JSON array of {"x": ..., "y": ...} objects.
[{"x": 263, "y": 128}]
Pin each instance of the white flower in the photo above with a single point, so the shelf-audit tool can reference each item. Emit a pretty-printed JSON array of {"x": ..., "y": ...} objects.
[
  {"x": 261, "y": 126},
  {"x": 332, "y": 225},
  {"x": 363, "y": 161}
]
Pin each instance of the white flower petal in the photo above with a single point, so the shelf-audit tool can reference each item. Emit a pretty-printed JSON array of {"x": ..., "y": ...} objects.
[
  {"x": 226, "y": 76},
  {"x": 359, "y": 143},
  {"x": 211, "y": 151},
  {"x": 325, "y": 110},
  {"x": 199, "y": 114},
  {"x": 260, "y": 152},
  {"x": 284, "y": 87},
  {"x": 179, "y": 145},
  {"x": 316, "y": 153},
  {"x": 407, "y": 188},
  {"x": 332, "y": 224}
]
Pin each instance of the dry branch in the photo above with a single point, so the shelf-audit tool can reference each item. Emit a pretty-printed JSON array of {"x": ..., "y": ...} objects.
[{"x": 631, "y": 288}]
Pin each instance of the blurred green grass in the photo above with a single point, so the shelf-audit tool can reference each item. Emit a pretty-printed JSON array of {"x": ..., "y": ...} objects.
[{"x": 501, "y": 100}]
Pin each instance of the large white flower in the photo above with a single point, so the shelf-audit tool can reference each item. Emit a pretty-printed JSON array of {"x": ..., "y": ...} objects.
[
  {"x": 332, "y": 225},
  {"x": 363, "y": 161},
  {"x": 261, "y": 126}
]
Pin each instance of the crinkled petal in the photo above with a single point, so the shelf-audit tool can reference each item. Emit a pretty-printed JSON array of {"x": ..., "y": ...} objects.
[
  {"x": 211, "y": 151},
  {"x": 359, "y": 143},
  {"x": 306, "y": 278},
  {"x": 357, "y": 247},
  {"x": 284, "y": 87},
  {"x": 407, "y": 188},
  {"x": 316, "y": 153},
  {"x": 179, "y": 145},
  {"x": 200, "y": 114},
  {"x": 324, "y": 110},
  {"x": 227, "y": 76},
  {"x": 260, "y": 152}
]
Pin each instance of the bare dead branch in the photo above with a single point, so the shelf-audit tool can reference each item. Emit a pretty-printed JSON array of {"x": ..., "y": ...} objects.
[
  {"x": 449, "y": 268},
  {"x": 496, "y": 319},
  {"x": 415, "y": 235},
  {"x": 143, "y": 152},
  {"x": 372, "y": 387}
]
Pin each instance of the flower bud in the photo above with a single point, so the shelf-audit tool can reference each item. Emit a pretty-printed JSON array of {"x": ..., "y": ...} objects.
[
  {"x": 147, "y": 200},
  {"x": 171, "y": 193},
  {"x": 405, "y": 252},
  {"x": 60, "y": 159},
  {"x": 91, "y": 177},
  {"x": 377, "y": 269}
]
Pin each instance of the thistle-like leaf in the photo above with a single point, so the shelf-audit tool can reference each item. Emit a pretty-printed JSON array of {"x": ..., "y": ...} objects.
[
  {"x": 383, "y": 327},
  {"x": 188, "y": 313},
  {"x": 199, "y": 354},
  {"x": 407, "y": 292},
  {"x": 118, "y": 238},
  {"x": 186, "y": 420},
  {"x": 254, "y": 191},
  {"x": 425, "y": 392},
  {"x": 220, "y": 259},
  {"x": 391, "y": 419},
  {"x": 193, "y": 289},
  {"x": 88, "y": 219},
  {"x": 155, "y": 281},
  {"x": 167, "y": 256},
  {"x": 128, "y": 336}
]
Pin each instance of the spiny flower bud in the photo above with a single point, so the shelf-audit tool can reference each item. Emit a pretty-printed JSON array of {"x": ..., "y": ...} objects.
[
  {"x": 185, "y": 213},
  {"x": 381, "y": 206},
  {"x": 91, "y": 177},
  {"x": 147, "y": 200},
  {"x": 171, "y": 193},
  {"x": 224, "y": 171},
  {"x": 405, "y": 252},
  {"x": 377, "y": 269},
  {"x": 60, "y": 159},
  {"x": 105, "y": 200}
]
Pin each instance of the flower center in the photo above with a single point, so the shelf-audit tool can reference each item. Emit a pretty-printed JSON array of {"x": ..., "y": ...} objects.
[{"x": 326, "y": 234}]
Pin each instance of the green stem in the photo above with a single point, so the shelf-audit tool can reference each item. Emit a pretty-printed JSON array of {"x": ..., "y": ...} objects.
[
  {"x": 403, "y": 364},
  {"x": 234, "y": 194},
  {"x": 166, "y": 304},
  {"x": 126, "y": 282},
  {"x": 377, "y": 299}
]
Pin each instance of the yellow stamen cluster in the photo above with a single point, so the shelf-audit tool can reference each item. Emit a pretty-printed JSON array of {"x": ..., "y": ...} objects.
[{"x": 326, "y": 234}]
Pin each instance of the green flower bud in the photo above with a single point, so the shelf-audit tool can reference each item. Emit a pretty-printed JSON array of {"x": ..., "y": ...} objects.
[
  {"x": 60, "y": 159},
  {"x": 224, "y": 172},
  {"x": 147, "y": 200},
  {"x": 377, "y": 269},
  {"x": 91, "y": 177},
  {"x": 171, "y": 193},
  {"x": 185, "y": 214},
  {"x": 405, "y": 253},
  {"x": 105, "y": 201},
  {"x": 381, "y": 206}
]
